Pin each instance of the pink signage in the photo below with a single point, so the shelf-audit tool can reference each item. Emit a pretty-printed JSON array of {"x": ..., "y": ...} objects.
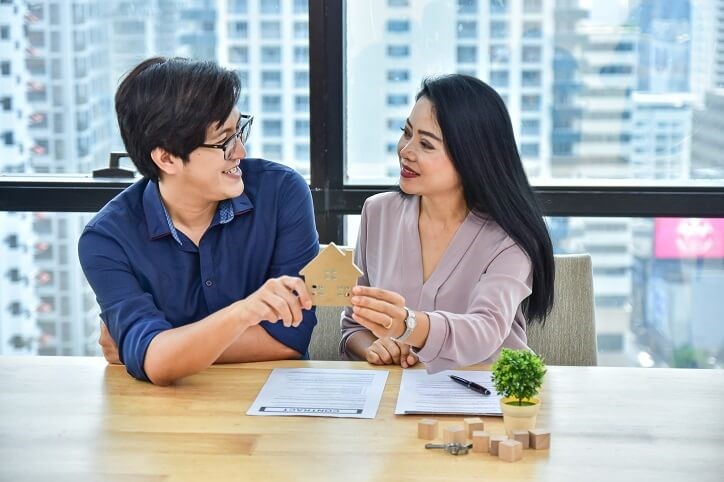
[{"x": 689, "y": 238}]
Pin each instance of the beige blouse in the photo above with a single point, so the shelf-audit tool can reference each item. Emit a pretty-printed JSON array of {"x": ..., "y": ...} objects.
[{"x": 473, "y": 297}]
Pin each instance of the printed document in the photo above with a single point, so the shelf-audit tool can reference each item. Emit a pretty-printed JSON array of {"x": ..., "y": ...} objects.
[
  {"x": 315, "y": 392},
  {"x": 421, "y": 393}
]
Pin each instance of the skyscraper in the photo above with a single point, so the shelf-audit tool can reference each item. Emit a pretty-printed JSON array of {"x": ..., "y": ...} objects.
[
  {"x": 394, "y": 45},
  {"x": 18, "y": 332},
  {"x": 69, "y": 127},
  {"x": 663, "y": 54},
  {"x": 569, "y": 42},
  {"x": 707, "y": 79},
  {"x": 660, "y": 146},
  {"x": 267, "y": 43}
]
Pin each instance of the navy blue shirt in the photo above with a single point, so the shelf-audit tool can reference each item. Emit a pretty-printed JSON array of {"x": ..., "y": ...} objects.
[{"x": 148, "y": 277}]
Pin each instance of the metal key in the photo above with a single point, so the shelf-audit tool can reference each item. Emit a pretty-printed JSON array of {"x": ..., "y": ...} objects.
[{"x": 452, "y": 448}]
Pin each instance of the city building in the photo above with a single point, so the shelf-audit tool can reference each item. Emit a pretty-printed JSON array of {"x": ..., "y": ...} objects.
[
  {"x": 267, "y": 43},
  {"x": 394, "y": 45},
  {"x": 18, "y": 330},
  {"x": 660, "y": 144},
  {"x": 71, "y": 116}
]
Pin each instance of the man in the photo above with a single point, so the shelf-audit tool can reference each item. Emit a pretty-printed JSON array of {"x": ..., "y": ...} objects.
[{"x": 195, "y": 263}]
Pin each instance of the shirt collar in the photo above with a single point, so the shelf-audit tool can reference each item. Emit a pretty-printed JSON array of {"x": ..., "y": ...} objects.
[{"x": 159, "y": 221}]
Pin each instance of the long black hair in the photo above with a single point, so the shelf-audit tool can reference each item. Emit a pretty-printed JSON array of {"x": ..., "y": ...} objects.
[{"x": 479, "y": 138}]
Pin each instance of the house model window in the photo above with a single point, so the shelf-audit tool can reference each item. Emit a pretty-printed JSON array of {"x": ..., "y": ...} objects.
[{"x": 330, "y": 276}]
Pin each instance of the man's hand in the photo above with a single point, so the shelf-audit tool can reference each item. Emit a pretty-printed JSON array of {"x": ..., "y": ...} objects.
[
  {"x": 110, "y": 350},
  {"x": 278, "y": 299}
]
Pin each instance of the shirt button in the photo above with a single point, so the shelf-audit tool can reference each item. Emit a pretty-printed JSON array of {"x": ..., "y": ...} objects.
[{"x": 209, "y": 283}]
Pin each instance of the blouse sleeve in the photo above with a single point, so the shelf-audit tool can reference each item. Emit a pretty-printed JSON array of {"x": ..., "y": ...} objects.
[
  {"x": 348, "y": 325},
  {"x": 457, "y": 340}
]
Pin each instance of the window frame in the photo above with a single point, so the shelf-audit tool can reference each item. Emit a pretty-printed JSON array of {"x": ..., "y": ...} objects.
[{"x": 333, "y": 199}]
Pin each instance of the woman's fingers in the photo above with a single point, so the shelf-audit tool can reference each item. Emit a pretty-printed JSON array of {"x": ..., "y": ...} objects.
[
  {"x": 380, "y": 294},
  {"x": 382, "y": 319},
  {"x": 378, "y": 330}
]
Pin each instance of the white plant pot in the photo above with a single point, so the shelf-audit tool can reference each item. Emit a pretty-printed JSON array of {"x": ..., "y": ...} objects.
[{"x": 519, "y": 417}]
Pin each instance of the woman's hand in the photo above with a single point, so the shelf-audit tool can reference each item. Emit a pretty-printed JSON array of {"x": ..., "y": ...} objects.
[
  {"x": 385, "y": 351},
  {"x": 380, "y": 311}
]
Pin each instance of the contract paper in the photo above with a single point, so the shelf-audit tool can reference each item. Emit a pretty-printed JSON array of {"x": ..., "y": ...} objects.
[
  {"x": 315, "y": 392},
  {"x": 421, "y": 393}
]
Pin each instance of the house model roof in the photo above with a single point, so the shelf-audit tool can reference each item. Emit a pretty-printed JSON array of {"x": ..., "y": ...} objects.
[{"x": 331, "y": 275}]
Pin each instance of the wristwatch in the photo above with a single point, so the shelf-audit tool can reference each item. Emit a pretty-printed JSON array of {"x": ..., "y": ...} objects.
[{"x": 410, "y": 324}]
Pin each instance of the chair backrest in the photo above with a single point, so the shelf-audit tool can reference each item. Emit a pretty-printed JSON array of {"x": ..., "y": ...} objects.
[
  {"x": 568, "y": 337},
  {"x": 569, "y": 334},
  {"x": 327, "y": 334}
]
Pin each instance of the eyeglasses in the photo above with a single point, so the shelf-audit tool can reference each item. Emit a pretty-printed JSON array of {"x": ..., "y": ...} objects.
[{"x": 241, "y": 135}]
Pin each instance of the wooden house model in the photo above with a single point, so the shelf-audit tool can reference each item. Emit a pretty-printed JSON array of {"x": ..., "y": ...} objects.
[{"x": 330, "y": 276}]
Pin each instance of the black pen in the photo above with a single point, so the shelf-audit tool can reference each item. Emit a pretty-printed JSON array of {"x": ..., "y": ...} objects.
[{"x": 471, "y": 385}]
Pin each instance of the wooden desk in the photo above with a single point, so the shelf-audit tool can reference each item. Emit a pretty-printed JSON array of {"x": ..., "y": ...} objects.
[{"x": 79, "y": 419}]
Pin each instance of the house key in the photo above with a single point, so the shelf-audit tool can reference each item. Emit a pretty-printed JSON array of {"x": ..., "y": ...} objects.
[{"x": 452, "y": 449}]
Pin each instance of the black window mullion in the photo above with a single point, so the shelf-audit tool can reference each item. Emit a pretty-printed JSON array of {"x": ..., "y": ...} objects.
[{"x": 326, "y": 103}]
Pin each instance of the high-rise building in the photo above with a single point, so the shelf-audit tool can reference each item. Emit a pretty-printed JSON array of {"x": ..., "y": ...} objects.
[
  {"x": 569, "y": 42},
  {"x": 609, "y": 78},
  {"x": 140, "y": 29},
  {"x": 703, "y": 46},
  {"x": 594, "y": 127},
  {"x": 18, "y": 331},
  {"x": 146, "y": 28},
  {"x": 719, "y": 59},
  {"x": 661, "y": 135},
  {"x": 707, "y": 143},
  {"x": 267, "y": 43},
  {"x": 663, "y": 53},
  {"x": 69, "y": 126},
  {"x": 392, "y": 50},
  {"x": 707, "y": 79}
]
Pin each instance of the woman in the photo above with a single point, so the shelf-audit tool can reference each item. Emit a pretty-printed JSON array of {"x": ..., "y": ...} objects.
[{"x": 458, "y": 261}]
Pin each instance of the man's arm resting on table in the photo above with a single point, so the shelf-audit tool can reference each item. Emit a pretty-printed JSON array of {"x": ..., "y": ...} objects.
[
  {"x": 175, "y": 353},
  {"x": 255, "y": 344},
  {"x": 182, "y": 351}
]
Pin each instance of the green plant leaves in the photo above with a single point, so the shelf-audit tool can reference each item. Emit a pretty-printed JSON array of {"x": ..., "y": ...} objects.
[{"x": 518, "y": 374}]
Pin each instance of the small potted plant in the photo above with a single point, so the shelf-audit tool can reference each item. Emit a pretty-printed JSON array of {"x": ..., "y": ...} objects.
[{"x": 518, "y": 376}]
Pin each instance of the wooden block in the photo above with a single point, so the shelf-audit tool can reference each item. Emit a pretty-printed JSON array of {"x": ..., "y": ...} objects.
[
  {"x": 540, "y": 439},
  {"x": 330, "y": 276},
  {"x": 427, "y": 429},
  {"x": 510, "y": 450},
  {"x": 481, "y": 441},
  {"x": 473, "y": 424},
  {"x": 523, "y": 437},
  {"x": 494, "y": 442},
  {"x": 454, "y": 433}
]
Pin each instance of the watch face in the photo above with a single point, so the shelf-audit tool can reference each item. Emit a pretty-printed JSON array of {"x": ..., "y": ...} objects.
[
  {"x": 411, "y": 321},
  {"x": 410, "y": 324}
]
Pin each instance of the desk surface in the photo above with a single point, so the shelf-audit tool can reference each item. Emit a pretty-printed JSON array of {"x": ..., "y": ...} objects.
[{"x": 80, "y": 419}]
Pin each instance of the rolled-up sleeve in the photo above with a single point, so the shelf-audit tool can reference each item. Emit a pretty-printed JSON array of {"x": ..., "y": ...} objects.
[
  {"x": 132, "y": 317},
  {"x": 347, "y": 324},
  {"x": 296, "y": 244},
  {"x": 461, "y": 339}
]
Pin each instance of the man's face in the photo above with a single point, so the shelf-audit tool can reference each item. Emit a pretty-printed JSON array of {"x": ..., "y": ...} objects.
[{"x": 207, "y": 174}]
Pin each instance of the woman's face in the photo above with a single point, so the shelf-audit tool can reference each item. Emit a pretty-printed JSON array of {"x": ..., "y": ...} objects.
[{"x": 425, "y": 167}]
